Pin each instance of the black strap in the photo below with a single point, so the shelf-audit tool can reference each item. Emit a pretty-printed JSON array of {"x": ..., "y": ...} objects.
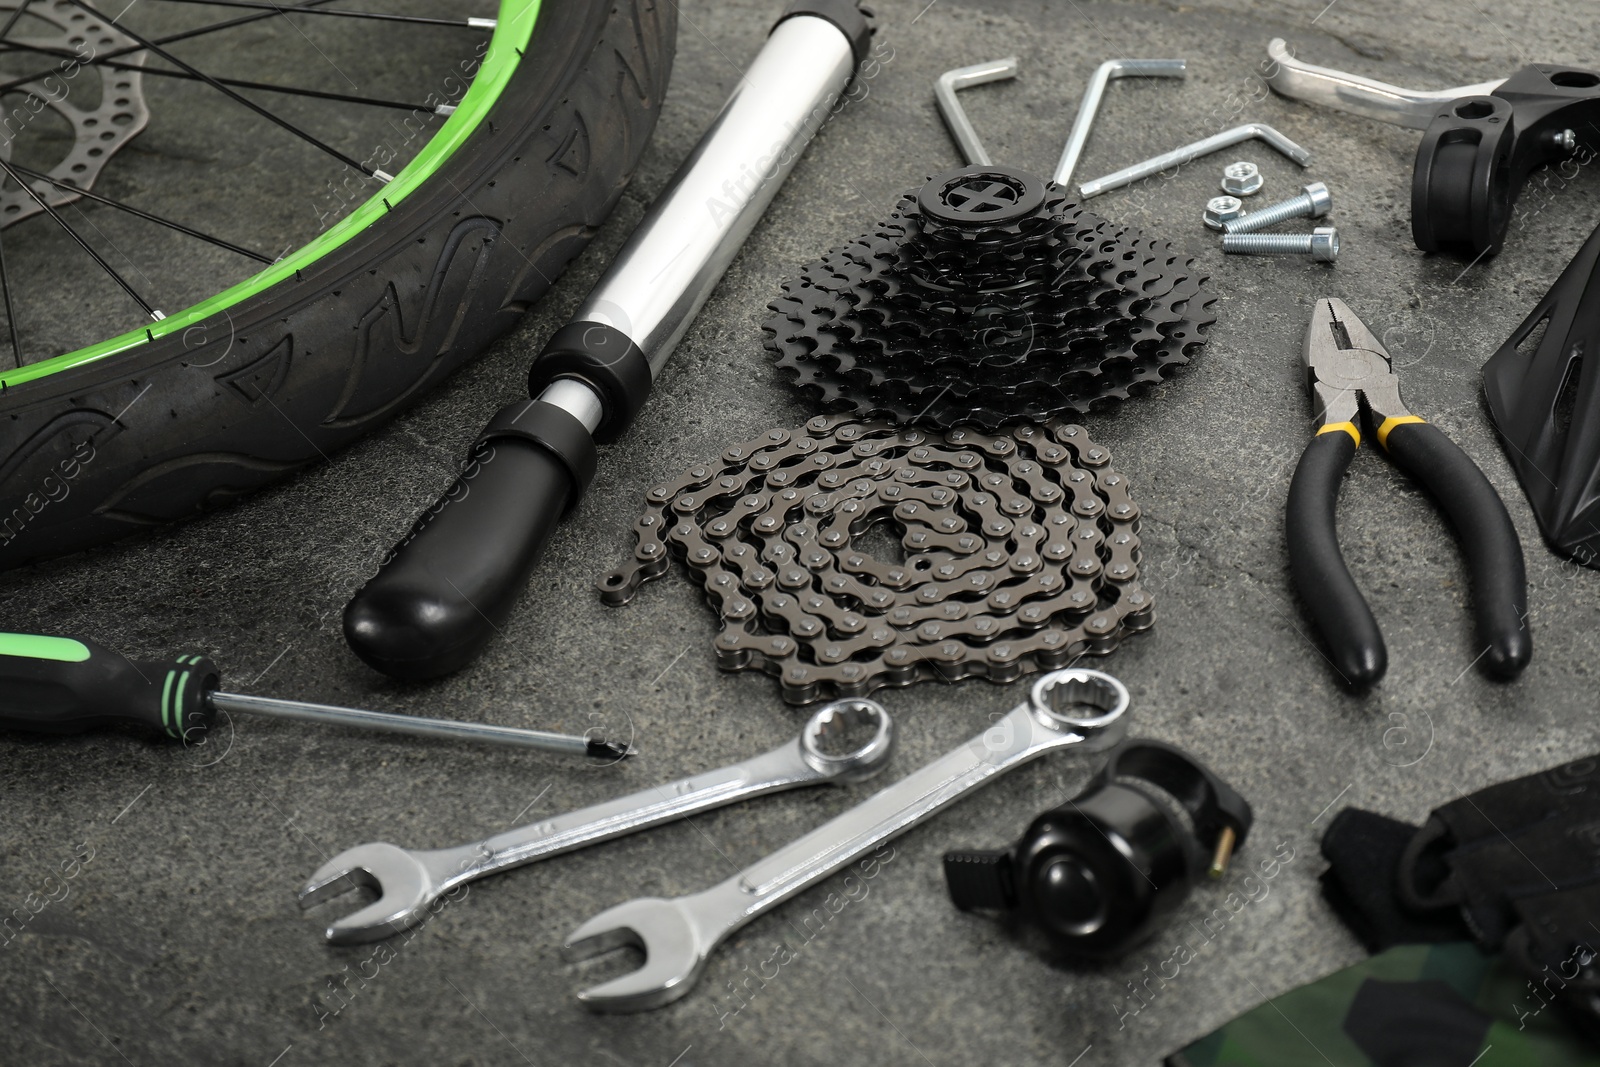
[
  {"x": 1515, "y": 867},
  {"x": 1481, "y": 853},
  {"x": 1363, "y": 850}
]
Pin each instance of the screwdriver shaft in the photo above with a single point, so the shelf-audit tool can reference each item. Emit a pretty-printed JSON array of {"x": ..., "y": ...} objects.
[{"x": 413, "y": 724}]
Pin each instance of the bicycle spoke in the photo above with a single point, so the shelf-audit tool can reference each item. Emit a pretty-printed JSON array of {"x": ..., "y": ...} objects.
[
  {"x": 466, "y": 24},
  {"x": 52, "y": 195},
  {"x": 78, "y": 237},
  {"x": 11, "y": 315},
  {"x": 230, "y": 94},
  {"x": 292, "y": 90},
  {"x": 147, "y": 216},
  {"x": 198, "y": 31}
]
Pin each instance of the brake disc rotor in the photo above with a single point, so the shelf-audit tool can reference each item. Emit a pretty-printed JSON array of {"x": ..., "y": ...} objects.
[
  {"x": 104, "y": 117},
  {"x": 1021, "y": 553},
  {"x": 985, "y": 298}
]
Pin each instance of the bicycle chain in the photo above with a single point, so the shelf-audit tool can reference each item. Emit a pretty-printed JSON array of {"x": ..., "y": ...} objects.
[
  {"x": 1021, "y": 553},
  {"x": 950, "y": 315}
]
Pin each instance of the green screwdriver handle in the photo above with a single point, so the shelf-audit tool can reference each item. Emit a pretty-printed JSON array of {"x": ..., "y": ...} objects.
[{"x": 69, "y": 685}]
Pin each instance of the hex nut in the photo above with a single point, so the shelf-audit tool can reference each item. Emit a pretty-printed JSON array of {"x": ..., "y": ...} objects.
[
  {"x": 1241, "y": 179},
  {"x": 1221, "y": 210}
]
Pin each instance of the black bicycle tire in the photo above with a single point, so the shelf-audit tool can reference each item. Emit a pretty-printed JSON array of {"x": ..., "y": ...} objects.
[{"x": 165, "y": 431}]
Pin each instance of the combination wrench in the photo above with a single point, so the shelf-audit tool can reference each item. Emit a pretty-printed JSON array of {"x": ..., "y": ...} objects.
[
  {"x": 408, "y": 881},
  {"x": 679, "y": 935}
]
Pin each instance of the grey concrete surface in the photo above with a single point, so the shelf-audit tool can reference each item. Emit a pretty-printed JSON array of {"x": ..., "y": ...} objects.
[{"x": 180, "y": 940}]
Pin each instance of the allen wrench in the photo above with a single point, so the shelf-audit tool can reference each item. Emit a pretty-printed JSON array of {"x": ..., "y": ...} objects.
[
  {"x": 1190, "y": 152},
  {"x": 1090, "y": 105},
  {"x": 955, "y": 116},
  {"x": 966, "y": 136}
]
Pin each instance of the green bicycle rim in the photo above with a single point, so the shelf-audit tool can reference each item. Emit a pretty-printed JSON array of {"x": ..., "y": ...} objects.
[{"x": 513, "y": 30}]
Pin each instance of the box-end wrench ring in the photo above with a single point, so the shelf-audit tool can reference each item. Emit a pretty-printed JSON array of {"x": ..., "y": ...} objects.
[
  {"x": 409, "y": 881},
  {"x": 679, "y": 935}
]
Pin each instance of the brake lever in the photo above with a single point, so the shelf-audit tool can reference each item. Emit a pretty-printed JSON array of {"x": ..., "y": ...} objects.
[
  {"x": 1412, "y": 108},
  {"x": 1480, "y": 142}
]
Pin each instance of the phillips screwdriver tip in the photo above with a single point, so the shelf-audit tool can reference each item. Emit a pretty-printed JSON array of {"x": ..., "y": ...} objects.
[{"x": 600, "y": 748}]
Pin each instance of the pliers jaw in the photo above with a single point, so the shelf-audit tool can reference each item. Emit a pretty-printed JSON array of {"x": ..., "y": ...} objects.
[{"x": 1346, "y": 366}]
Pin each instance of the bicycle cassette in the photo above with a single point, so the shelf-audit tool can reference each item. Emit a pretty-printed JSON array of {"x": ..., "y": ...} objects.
[
  {"x": 988, "y": 298},
  {"x": 1021, "y": 553}
]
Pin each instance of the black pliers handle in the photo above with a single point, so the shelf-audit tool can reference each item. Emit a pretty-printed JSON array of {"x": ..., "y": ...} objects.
[{"x": 1345, "y": 364}]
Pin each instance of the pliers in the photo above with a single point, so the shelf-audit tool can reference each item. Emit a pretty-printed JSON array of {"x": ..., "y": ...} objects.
[{"x": 1348, "y": 369}]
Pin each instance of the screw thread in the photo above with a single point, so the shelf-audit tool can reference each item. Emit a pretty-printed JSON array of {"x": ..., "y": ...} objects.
[
  {"x": 1267, "y": 244},
  {"x": 1293, "y": 208}
]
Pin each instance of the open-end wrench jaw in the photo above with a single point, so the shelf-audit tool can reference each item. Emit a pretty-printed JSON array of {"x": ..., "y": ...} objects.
[
  {"x": 1064, "y": 708},
  {"x": 402, "y": 879},
  {"x": 675, "y": 950},
  {"x": 409, "y": 882}
]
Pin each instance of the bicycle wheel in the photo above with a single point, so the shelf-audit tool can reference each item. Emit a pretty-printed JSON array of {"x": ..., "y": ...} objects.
[{"x": 427, "y": 235}]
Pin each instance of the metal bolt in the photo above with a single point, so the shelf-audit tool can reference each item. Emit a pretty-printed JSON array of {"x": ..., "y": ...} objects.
[
  {"x": 1563, "y": 140},
  {"x": 1241, "y": 179},
  {"x": 1222, "y": 210},
  {"x": 1313, "y": 202},
  {"x": 1321, "y": 244}
]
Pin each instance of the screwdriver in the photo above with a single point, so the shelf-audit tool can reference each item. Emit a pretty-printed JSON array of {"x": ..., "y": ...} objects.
[{"x": 69, "y": 685}]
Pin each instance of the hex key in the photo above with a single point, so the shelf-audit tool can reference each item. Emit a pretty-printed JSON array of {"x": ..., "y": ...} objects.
[
  {"x": 955, "y": 117},
  {"x": 1189, "y": 152},
  {"x": 1111, "y": 68}
]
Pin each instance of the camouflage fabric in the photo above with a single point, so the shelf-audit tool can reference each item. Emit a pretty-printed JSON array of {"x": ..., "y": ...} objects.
[{"x": 1441, "y": 1005}]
